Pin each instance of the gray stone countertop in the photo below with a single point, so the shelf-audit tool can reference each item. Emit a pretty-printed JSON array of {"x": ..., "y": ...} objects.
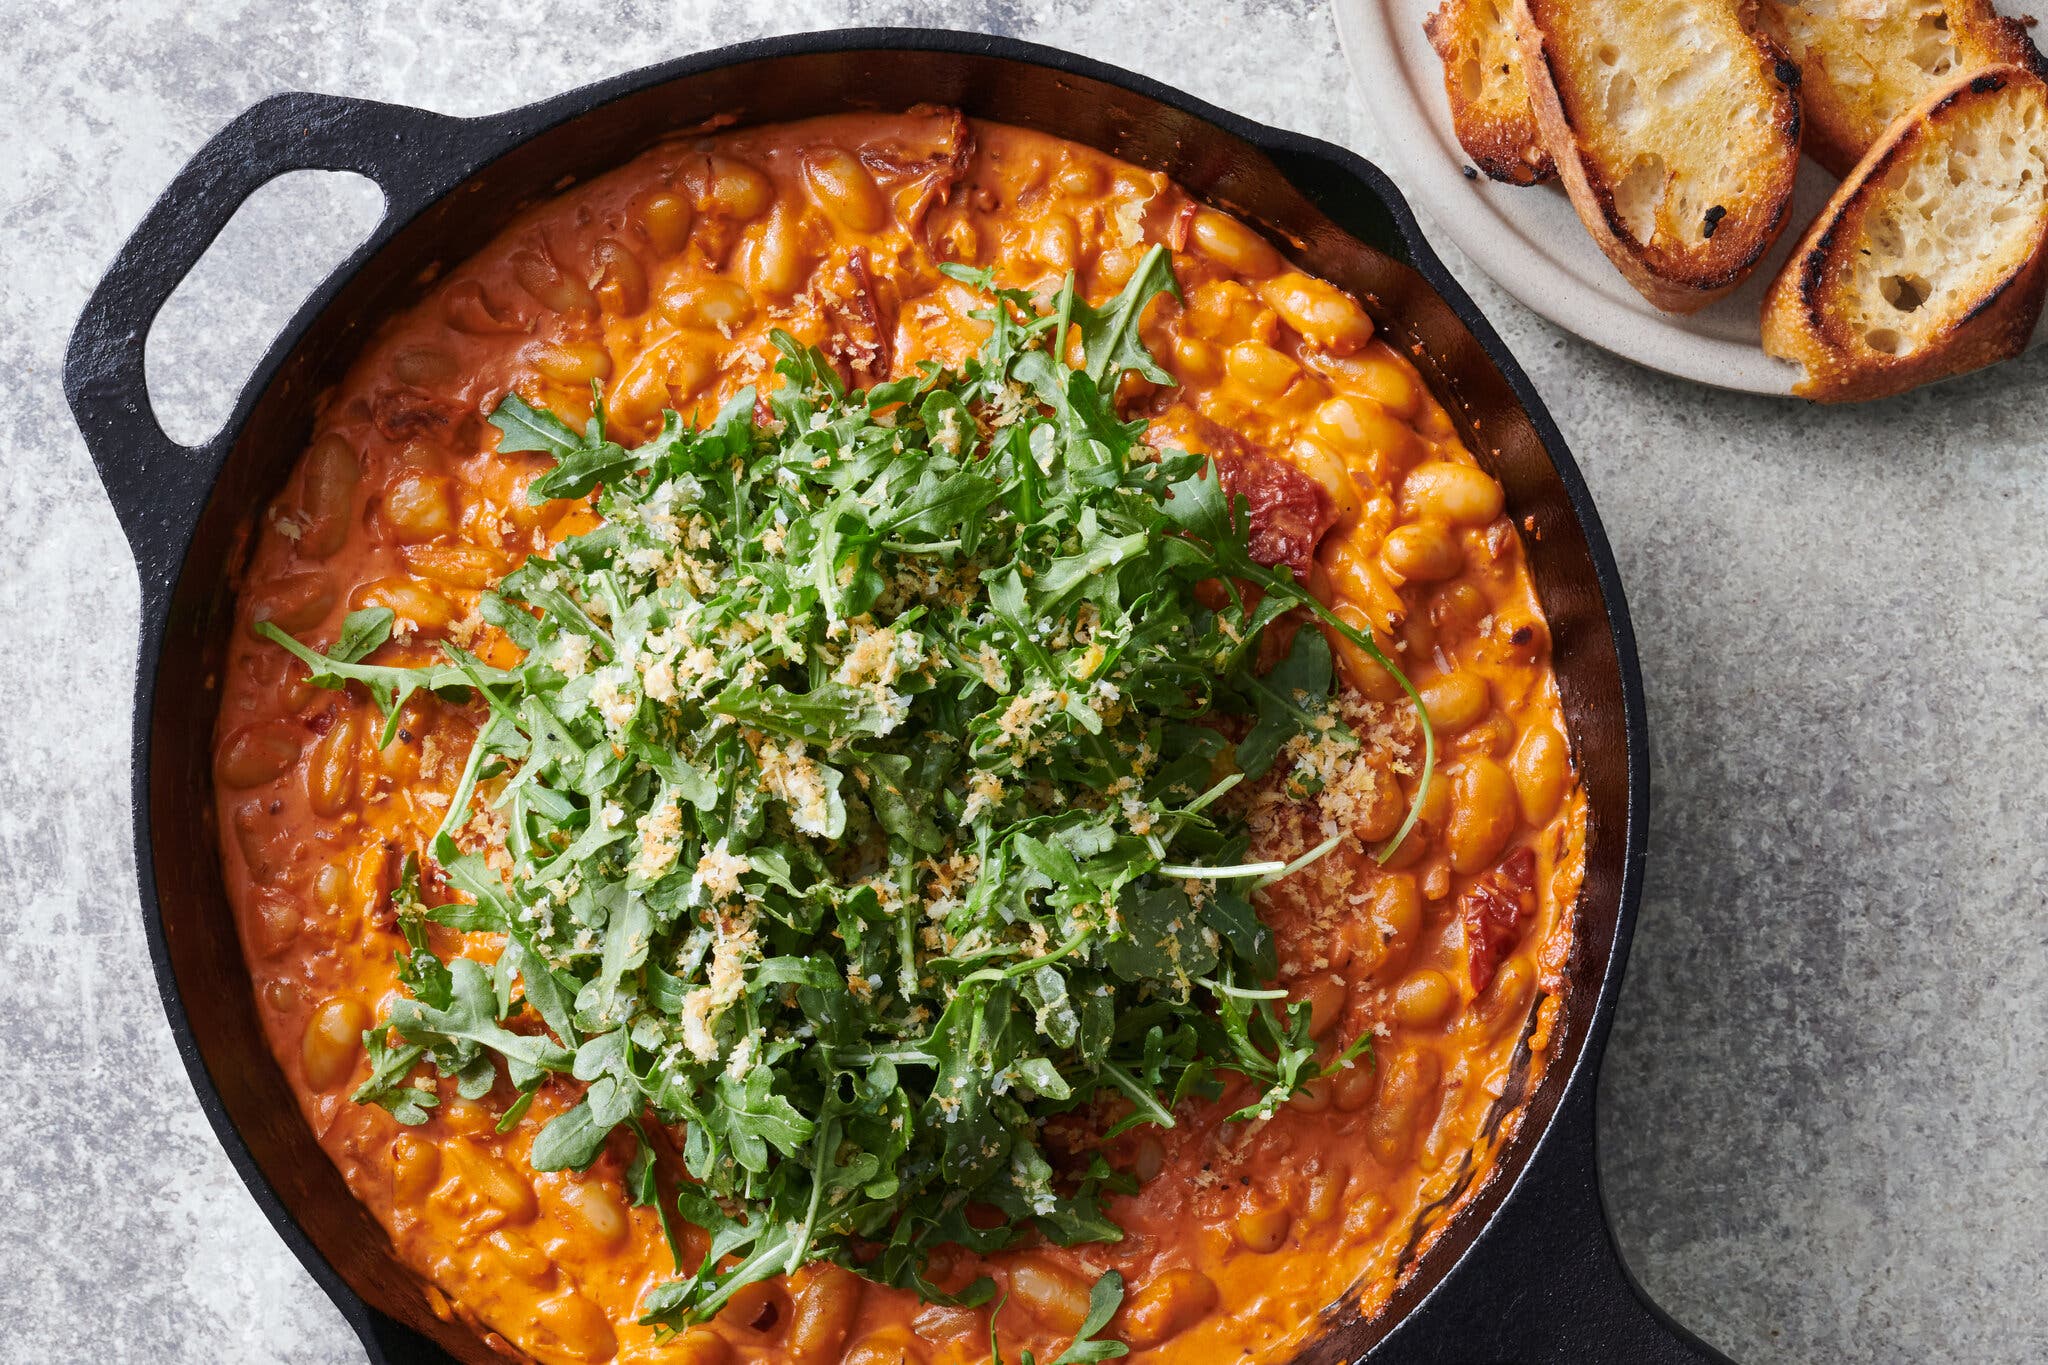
[{"x": 1823, "y": 1105}]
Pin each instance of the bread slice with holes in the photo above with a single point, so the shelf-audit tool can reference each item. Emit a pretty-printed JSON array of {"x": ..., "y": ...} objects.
[
  {"x": 1675, "y": 127},
  {"x": 1489, "y": 99},
  {"x": 1865, "y": 62},
  {"x": 1929, "y": 259}
]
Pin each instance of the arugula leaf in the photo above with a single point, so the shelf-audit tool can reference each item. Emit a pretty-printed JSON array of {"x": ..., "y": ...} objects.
[
  {"x": 387, "y": 1085},
  {"x": 390, "y": 687},
  {"x": 570, "y": 1141},
  {"x": 1203, "y": 511},
  {"x": 361, "y": 633},
  {"x": 1109, "y": 334},
  {"x": 525, "y": 427},
  {"x": 1162, "y": 938},
  {"x": 582, "y": 461},
  {"x": 470, "y": 1021},
  {"x": 1103, "y": 1300},
  {"x": 1291, "y": 700},
  {"x": 420, "y": 971}
]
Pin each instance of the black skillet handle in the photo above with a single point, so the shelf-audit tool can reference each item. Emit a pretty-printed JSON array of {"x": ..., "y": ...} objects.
[
  {"x": 157, "y": 485},
  {"x": 1544, "y": 1284}
]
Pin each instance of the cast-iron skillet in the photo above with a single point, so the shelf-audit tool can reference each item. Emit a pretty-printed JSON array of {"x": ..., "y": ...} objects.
[{"x": 1527, "y": 1273}]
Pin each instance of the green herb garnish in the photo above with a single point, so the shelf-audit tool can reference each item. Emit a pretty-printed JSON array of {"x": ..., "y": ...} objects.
[
  {"x": 1104, "y": 1299},
  {"x": 855, "y": 811}
]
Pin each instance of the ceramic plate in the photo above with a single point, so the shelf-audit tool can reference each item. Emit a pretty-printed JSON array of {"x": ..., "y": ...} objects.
[{"x": 1530, "y": 240}]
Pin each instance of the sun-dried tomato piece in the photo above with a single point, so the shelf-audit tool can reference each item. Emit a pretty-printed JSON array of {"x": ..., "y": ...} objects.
[
  {"x": 935, "y": 174},
  {"x": 1289, "y": 512},
  {"x": 1496, "y": 912},
  {"x": 862, "y": 330},
  {"x": 402, "y": 414}
]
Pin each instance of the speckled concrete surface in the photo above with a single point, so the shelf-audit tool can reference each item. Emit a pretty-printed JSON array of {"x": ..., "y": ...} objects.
[{"x": 1823, "y": 1102}]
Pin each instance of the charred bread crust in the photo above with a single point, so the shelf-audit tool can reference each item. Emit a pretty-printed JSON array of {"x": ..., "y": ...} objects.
[
  {"x": 1997, "y": 329},
  {"x": 1683, "y": 279},
  {"x": 1800, "y": 325},
  {"x": 1507, "y": 147}
]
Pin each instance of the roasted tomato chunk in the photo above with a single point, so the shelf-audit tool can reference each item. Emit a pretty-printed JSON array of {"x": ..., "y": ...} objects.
[
  {"x": 1496, "y": 910},
  {"x": 1289, "y": 511}
]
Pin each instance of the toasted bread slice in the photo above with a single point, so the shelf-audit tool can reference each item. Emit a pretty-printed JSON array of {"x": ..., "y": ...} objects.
[
  {"x": 1489, "y": 100},
  {"x": 1676, "y": 130},
  {"x": 1928, "y": 261},
  {"x": 1865, "y": 62}
]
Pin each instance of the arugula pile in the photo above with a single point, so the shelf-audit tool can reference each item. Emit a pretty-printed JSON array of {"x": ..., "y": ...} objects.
[{"x": 854, "y": 810}]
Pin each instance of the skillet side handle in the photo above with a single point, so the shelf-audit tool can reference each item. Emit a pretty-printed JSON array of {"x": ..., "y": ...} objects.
[
  {"x": 1545, "y": 1284},
  {"x": 157, "y": 485}
]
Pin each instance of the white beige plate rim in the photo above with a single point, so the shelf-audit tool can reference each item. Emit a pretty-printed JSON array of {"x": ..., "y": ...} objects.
[{"x": 1530, "y": 241}]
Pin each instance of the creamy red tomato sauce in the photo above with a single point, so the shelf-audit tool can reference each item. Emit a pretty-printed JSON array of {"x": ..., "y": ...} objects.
[{"x": 661, "y": 282}]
